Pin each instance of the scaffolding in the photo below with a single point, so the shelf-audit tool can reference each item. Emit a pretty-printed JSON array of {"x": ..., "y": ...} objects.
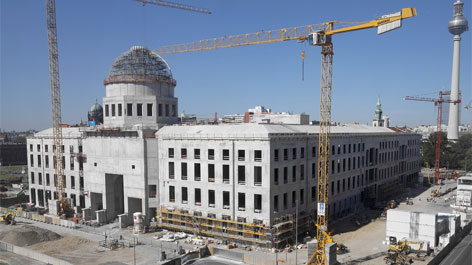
[{"x": 279, "y": 235}]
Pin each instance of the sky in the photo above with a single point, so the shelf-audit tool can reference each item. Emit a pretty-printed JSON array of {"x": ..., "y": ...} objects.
[{"x": 415, "y": 60}]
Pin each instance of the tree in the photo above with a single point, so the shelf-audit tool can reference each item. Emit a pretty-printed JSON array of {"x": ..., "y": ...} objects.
[
  {"x": 429, "y": 150},
  {"x": 454, "y": 155}
]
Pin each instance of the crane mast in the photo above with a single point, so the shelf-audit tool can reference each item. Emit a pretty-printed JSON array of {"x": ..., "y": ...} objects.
[
  {"x": 318, "y": 35},
  {"x": 56, "y": 104}
]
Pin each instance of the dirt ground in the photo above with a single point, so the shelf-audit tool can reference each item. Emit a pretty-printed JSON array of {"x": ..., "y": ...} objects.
[{"x": 75, "y": 249}]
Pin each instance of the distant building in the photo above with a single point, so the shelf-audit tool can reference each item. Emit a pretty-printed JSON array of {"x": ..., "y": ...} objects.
[
  {"x": 262, "y": 115},
  {"x": 95, "y": 115},
  {"x": 12, "y": 154},
  {"x": 379, "y": 119}
]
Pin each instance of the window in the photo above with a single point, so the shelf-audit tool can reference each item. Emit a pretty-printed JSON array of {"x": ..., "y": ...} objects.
[
  {"x": 225, "y": 154},
  {"x": 40, "y": 179},
  {"x": 39, "y": 160},
  {"x": 171, "y": 152},
  {"x": 285, "y": 154},
  {"x": 211, "y": 173},
  {"x": 257, "y": 203},
  {"x": 302, "y": 152},
  {"x": 171, "y": 170},
  {"x": 257, "y": 155},
  {"x": 72, "y": 182},
  {"x": 55, "y": 180},
  {"x": 184, "y": 171},
  {"x": 294, "y": 173},
  {"x": 285, "y": 175},
  {"x": 349, "y": 149},
  {"x": 159, "y": 109},
  {"x": 241, "y": 155},
  {"x": 225, "y": 173},
  {"x": 31, "y": 148},
  {"x": 333, "y": 150},
  {"x": 294, "y": 198},
  {"x": 276, "y": 155},
  {"x": 32, "y": 177},
  {"x": 302, "y": 196},
  {"x": 107, "y": 110},
  {"x": 294, "y": 153},
  {"x": 313, "y": 151},
  {"x": 276, "y": 176},
  {"x": 241, "y": 201},
  {"x": 46, "y": 148},
  {"x": 285, "y": 202},
  {"x": 226, "y": 204},
  {"x": 113, "y": 111},
  {"x": 211, "y": 154},
  {"x": 46, "y": 161},
  {"x": 198, "y": 197},
  {"x": 152, "y": 191},
  {"x": 211, "y": 198},
  {"x": 257, "y": 176},
  {"x": 149, "y": 109},
  {"x": 64, "y": 182},
  {"x": 72, "y": 163},
  {"x": 171, "y": 193},
  {"x": 344, "y": 185},
  {"x": 139, "y": 109},
  {"x": 338, "y": 187},
  {"x": 38, "y": 148},
  {"x": 344, "y": 148},
  {"x": 184, "y": 195},
  {"x": 196, "y": 153},
  {"x": 81, "y": 183},
  {"x": 183, "y": 153},
  {"x": 276, "y": 204},
  {"x": 302, "y": 172},
  {"x": 313, "y": 194},
  {"x": 31, "y": 160},
  {"x": 48, "y": 183},
  {"x": 197, "y": 171},
  {"x": 129, "y": 109},
  {"x": 120, "y": 109},
  {"x": 241, "y": 175},
  {"x": 174, "y": 111},
  {"x": 332, "y": 187},
  {"x": 166, "y": 107}
]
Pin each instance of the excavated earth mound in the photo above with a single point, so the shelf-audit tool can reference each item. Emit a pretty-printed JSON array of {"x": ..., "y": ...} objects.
[{"x": 27, "y": 235}]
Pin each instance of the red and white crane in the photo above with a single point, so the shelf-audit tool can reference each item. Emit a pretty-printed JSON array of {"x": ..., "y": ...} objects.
[{"x": 437, "y": 102}]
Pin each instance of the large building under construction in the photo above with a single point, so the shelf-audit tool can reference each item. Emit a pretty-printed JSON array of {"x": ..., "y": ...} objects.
[{"x": 237, "y": 181}]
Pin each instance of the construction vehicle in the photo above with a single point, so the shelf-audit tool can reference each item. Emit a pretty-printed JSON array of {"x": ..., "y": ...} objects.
[
  {"x": 316, "y": 35},
  {"x": 398, "y": 251},
  {"x": 8, "y": 218}
]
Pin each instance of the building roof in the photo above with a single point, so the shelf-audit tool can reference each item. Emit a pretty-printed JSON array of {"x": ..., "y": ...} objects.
[
  {"x": 71, "y": 132},
  {"x": 249, "y": 130},
  {"x": 96, "y": 108}
]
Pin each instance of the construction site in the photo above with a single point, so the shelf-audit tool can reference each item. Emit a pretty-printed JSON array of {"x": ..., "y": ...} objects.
[{"x": 137, "y": 185}]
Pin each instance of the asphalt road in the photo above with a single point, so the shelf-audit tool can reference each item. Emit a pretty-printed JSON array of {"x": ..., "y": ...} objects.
[{"x": 461, "y": 254}]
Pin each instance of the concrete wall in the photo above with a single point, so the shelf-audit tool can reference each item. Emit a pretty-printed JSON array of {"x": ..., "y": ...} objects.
[
  {"x": 32, "y": 254},
  {"x": 415, "y": 226}
]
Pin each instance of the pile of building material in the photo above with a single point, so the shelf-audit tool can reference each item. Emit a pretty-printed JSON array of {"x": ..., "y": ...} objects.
[{"x": 27, "y": 235}]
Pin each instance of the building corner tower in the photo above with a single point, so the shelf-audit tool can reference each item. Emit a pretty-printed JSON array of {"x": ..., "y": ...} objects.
[{"x": 457, "y": 25}]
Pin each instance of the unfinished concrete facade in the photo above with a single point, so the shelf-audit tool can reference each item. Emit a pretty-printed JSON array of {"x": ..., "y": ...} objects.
[{"x": 246, "y": 180}]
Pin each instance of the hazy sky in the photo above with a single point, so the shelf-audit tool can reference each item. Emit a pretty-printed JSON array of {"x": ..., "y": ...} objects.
[{"x": 413, "y": 60}]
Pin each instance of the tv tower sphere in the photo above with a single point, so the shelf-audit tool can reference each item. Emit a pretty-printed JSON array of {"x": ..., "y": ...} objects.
[{"x": 458, "y": 24}]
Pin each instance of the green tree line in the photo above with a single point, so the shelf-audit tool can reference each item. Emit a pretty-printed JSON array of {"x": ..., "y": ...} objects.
[{"x": 454, "y": 155}]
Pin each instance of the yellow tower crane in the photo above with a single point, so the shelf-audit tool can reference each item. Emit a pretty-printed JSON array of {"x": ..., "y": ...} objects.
[{"x": 317, "y": 35}]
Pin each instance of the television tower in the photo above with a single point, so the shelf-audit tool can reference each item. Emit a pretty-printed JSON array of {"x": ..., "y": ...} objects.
[{"x": 457, "y": 25}]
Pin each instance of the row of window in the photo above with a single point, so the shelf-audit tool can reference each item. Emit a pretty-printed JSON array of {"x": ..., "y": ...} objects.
[
  {"x": 211, "y": 173},
  {"x": 46, "y": 148},
  {"x": 294, "y": 200},
  {"x": 113, "y": 110},
  {"x": 46, "y": 162},
  {"x": 45, "y": 195},
  {"x": 211, "y": 154},
  {"x": 47, "y": 180},
  {"x": 197, "y": 198}
]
